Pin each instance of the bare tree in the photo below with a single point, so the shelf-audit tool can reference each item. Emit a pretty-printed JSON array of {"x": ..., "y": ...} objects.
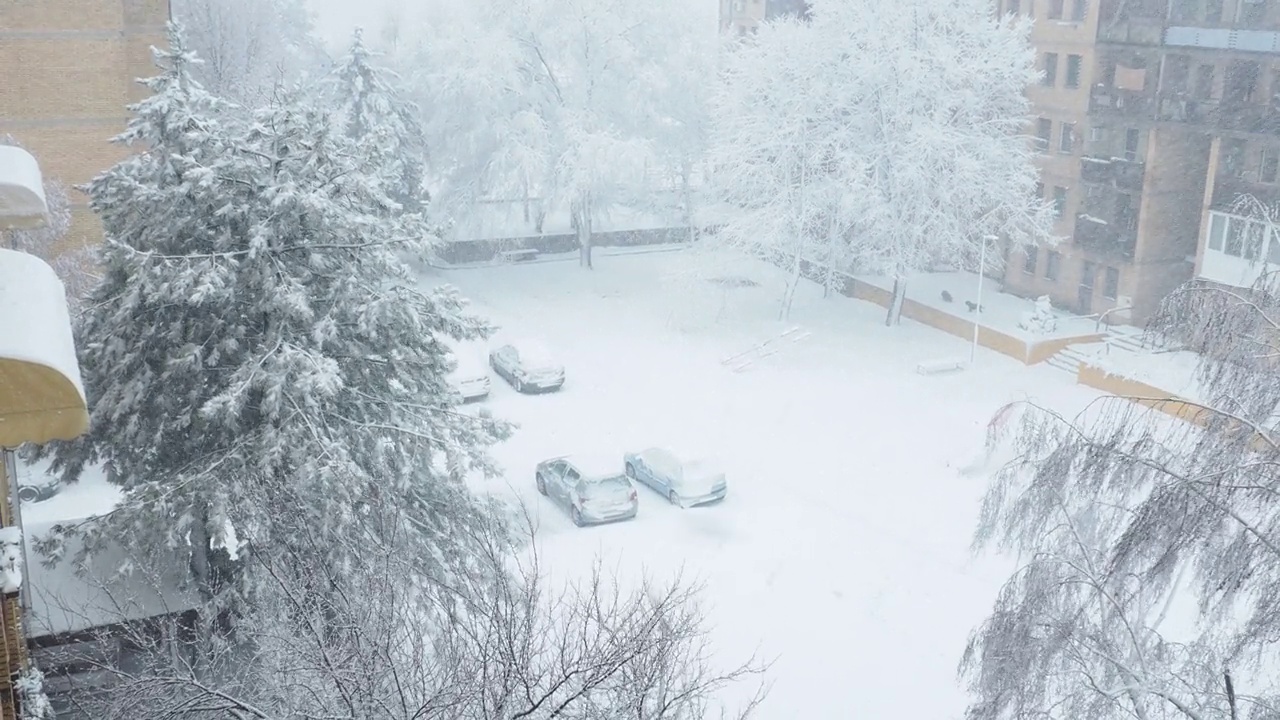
[
  {"x": 1122, "y": 512},
  {"x": 476, "y": 646}
]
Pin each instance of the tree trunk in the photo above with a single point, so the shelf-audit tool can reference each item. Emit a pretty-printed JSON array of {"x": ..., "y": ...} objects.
[
  {"x": 895, "y": 304},
  {"x": 580, "y": 216},
  {"x": 790, "y": 295}
]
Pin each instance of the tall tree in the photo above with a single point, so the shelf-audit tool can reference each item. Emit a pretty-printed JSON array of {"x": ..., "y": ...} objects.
[
  {"x": 565, "y": 102},
  {"x": 263, "y": 373},
  {"x": 890, "y": 136},
  {"x": 248, "y": 48},
  {"x": 373, "y": 111}
]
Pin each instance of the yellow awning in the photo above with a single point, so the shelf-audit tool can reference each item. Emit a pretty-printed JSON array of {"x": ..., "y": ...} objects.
[{"x": 41, "y": 395}]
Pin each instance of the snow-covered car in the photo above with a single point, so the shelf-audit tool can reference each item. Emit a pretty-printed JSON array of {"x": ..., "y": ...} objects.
[
  {"x": 470, "y": 378},
  {"x": 593, "y": 490},
  {"x": 528, "y": 365},
  {"x": 36, "y": 486},
  {"x": 684, "y": 480}
]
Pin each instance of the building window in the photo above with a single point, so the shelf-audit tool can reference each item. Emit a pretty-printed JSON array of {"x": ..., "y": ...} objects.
[
  {"x": 1213, "y": 11},
  {"x": 1087, "y": 275},
  {"x": 1252, "y": 12},
  {"x": 1241, "y": 82},
  {"x": 1039, "y": 191},
  {"x": 1029, "y": 258},
  {"x": 1097, "y": 134},
  {"x": 1067, "y": 141},
  {"x": 1055, "y": 9},
  {"x": 1131, "y": 138},
  {"x": 1044, "y": 133},
  {"x": 1059, "y": 200},
  {"x": 1079, "y": 8},
  {"x": 1052, "y": 265},
  {"x": 1217, "y": 229},
  {"x": 1269, "y": 167},
  {"x": 1234, "y": 243},
  {"x": 1184, "y": 11},
  {"x": 1233, "y": 157},
  {"x": 1073, "y": 70},
  {"x": 1124, "y": 216},
  {"x": 1014, "y": 8},
  {"x": 1111, "y": 284},
  {"x": 1050, "y": 70},
  {"x": 1204, "y": 82}
]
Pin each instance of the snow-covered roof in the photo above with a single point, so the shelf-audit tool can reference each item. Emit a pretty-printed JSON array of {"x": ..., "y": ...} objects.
[
  {"x": 22, "y": 202},
  {"x": 110, "y": 588},
  {"x": 41, "y": 395}
]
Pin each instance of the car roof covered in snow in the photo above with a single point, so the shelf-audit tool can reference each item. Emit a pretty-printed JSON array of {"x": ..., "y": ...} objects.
[{"x": 596, "y": 465}]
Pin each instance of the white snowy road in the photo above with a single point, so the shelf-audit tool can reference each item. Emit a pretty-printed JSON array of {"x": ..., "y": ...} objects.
[{"x": 843, "y": 548}]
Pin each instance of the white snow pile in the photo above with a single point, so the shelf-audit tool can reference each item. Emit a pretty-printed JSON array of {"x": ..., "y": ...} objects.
[
  {"x": 35, "y": 703},
  {"x": 1041, "y": 320},
  {"x": 10, "y": 559}
]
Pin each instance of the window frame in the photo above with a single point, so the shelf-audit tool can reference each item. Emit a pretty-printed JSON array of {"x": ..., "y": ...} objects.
[{"x": 1076, "y": 63}]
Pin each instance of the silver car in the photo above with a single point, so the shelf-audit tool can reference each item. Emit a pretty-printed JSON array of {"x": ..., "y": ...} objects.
[
  {"x": 528, "y": 366},
  {"x": 684, "y": 480},
  {"x": 35, "y": 486},
  {"x": 591, "y": 490}
]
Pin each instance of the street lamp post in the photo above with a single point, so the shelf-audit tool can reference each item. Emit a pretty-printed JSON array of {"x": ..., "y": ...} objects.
[{"x": 982, "y": 267}]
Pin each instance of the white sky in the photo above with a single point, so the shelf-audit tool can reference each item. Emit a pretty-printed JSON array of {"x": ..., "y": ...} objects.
[{"x": 335, "y": 19}]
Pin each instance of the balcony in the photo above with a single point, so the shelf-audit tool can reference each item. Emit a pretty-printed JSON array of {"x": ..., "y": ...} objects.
[
  {"x": 1230, "y": 39},
  {"x": 1113, "y": 172},
  {"x": 1130, "y": 105},
  {"x": 1228, "y": 189},
  {"x": 1131, "y": 31},
  {"x": 1212, "y": 115},
  {"x": 1104, "y": 238}
]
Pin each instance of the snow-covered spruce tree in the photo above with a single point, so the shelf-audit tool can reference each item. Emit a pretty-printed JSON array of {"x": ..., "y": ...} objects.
[
  {"x": 371, "y": 108},
  {"x": 888, "y": 136},
  {"x": 74, "y": 265},
  {"x": 257, "y": 358},
  {"x": 1167, "y": 605}
]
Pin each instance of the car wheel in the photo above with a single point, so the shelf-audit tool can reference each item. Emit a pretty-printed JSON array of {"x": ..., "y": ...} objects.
[
  {"x": 542, "y": 486},
  {"x": 576, "y": 515},
  {"x": 519, "y": 385},
  {"x": 28, "y": 494},
  {"x": 630, "y": 471},
  {"x": 675, "y": 499}
]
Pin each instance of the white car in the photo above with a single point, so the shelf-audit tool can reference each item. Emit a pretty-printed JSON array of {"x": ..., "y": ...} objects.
[
  {"x": 470, "y": 378},
  {"x": 528, "y": 365},
  {"x": 684, "y": 480}
]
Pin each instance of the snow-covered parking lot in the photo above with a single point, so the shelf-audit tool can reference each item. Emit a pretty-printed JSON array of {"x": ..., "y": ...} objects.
[{"x": 843, "y": 547}]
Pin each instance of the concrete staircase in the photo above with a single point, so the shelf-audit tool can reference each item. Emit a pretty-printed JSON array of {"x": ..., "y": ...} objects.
[{"x": 1118, "y": 338}]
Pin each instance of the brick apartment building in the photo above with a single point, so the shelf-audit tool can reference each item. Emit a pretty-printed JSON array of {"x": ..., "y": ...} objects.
[
  {"x": 1152, "y": 117},
  {"x": 67, "y": 71}
]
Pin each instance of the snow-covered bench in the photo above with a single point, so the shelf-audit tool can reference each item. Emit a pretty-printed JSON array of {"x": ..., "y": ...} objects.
[
  {"x": 933, "y": 367},
  {"x": 521, "y": 255}
]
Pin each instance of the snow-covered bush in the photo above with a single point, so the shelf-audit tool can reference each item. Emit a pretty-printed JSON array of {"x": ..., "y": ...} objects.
[
  {"x": 35, "y": 703},
  {"x": 10, "y": 559},
  {"x": 1041, "y": 320}
]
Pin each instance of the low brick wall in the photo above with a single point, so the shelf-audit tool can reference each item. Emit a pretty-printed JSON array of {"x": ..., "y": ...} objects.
[
  {"x": 1143, "y": 394},
  {"x": 457, "y": 252},
  {"x": 1028, "y": 352}
]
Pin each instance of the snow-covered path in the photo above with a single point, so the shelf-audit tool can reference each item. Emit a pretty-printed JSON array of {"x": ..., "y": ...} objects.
[{"x": 843, "y": 549}]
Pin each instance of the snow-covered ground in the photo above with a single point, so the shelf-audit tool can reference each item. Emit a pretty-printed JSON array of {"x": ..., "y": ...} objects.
[{"x": 843, "y": 548}]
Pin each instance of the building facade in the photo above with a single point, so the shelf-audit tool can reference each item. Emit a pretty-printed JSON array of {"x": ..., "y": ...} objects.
[
  {"x": 67, "y": 72},
  {"x": 1151, "y": 117},
  {"x": 740, "y": 17}
]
